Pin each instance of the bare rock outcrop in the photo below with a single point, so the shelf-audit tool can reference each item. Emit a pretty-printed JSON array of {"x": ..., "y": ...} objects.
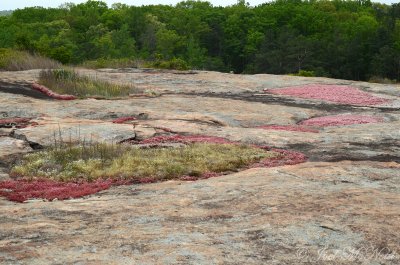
[{"x": 340, "y": 207}]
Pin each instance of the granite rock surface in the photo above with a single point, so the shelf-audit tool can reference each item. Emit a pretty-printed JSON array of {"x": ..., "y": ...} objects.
[{"x": 340, "y": 207}]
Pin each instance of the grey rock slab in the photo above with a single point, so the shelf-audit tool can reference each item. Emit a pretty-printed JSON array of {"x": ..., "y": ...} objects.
[
  {"x": 3, "y": 174},
  {"x": 345, "y": 198},
  {"x": 51, "y": 131},
  {"x": 11, "y": 146},
  {"x": 255, "y": 216}
]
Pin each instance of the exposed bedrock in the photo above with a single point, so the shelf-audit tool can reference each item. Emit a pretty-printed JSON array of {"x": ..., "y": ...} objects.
[
  {"x": 258, "y": 216},
  {"x": 344, "y": 200},
  {"x": 237, "y": 107}
]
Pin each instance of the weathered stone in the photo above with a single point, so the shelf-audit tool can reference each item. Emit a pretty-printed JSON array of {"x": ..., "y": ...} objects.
[
  {"x": 255, "y": 217},
  {"x": 345, "y": 199},
  {"x": 54, "y": 131},
  {"x": 10, "y": 146}
]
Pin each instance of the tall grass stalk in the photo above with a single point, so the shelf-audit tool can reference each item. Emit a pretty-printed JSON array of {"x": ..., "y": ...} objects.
[
  {"x": 68, "y": 81},
  {"x": 12, "y": 60}
]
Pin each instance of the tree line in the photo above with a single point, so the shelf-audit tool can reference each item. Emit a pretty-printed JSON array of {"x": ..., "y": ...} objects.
[{"x": 340, "y": 38}]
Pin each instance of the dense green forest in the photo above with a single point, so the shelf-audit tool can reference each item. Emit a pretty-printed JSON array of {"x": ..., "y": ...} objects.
[
  {"x": 5, "y": 12},
  {"x": 341, "y": 39}
]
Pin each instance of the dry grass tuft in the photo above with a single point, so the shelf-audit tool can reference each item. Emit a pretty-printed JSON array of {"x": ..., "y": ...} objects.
[
  {"x": 122, "y": 162},
  {"x": 11, "y": 60},
  {"x": 67, "y": 81}
]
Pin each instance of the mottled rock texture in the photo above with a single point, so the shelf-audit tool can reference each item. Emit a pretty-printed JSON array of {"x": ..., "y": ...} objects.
[{"x": 340, "y": 207}]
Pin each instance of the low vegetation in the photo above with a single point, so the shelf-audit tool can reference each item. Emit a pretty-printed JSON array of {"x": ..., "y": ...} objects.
[
  {"x": 111, "y": 63},
  {"x": 382, "y": 80},
  {"x": 342, "y": 94},
  {"x": 22, "y": 190},
  {"x": 122, "y": 162},
  {"x": 304, "y": 73},
  {"x": 340, "y": 120},
  {"x": 67, "y": 81},
  {"x": 13, "y": 60},
  {"x": 67, "y": 170},
  {"x": 173, "y": 64}
]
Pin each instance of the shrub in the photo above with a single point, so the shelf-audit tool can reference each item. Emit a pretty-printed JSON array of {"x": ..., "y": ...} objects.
[
  {"x": 67, "y": 81},
  {"x": 175, "y": 63},
  {"x": 305, "y": 73},
  {"x": 381, "y": 80},
  {"x": 111, "y": 63},
  {"x": 217, "y": 64},
  {"x": 12, "y": 60}
]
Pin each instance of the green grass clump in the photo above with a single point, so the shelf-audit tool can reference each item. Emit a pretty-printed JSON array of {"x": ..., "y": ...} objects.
[
  {"x": 304, "y": 73},
  {"x": 12, "y": 60},
  {"x": 381, "y": 80},
  {"x": 67, "y": 81},
  {"x": 173, "y": 64},
  {"x": 96, "y": 161},
  {"x": 110, "y": 63}
]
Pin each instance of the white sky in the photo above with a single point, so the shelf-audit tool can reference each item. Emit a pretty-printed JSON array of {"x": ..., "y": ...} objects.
[{"x": 14, "y": 4}]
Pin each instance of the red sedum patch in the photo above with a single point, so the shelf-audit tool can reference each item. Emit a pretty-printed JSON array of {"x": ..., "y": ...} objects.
[
  {"x": 17, "y": 122},
  {"x": 22, "y": 190},
  {"x": 338, "y": 120},
  {"x": 331, "y": 93},
  {"x": 48, "y": 92},
  {"x": 286, "y": 157},
  {"x": 123, "y": 120}
]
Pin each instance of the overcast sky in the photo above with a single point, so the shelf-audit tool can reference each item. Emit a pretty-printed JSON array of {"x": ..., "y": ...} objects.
[{"x": 14, "y": 4}]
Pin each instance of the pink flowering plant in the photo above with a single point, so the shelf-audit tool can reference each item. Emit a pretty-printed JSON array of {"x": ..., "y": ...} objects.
[
  {"x": 331, "y": 93},
  {"x": 338, "y": 120}
]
